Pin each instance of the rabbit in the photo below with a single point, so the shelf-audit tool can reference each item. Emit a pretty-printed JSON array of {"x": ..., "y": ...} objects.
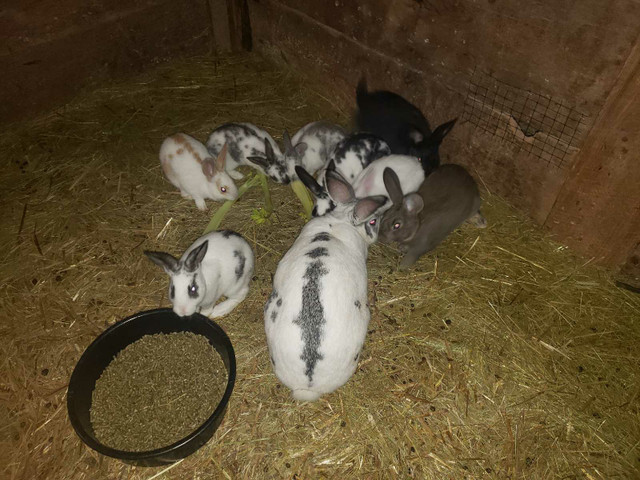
[
  {"x": 421, "y": 221},
  {"x": 317, "y": 315},
  {"x": 401, "y": 124},
  {"x": 251, "y": 146},
  {"x": 311, "y": 146},
  {"x": 188, "y": 166},
  {"x": 351, "y": 155},
  {"x": 216, "y": 264},
  {"x": 355, "y": 152}
]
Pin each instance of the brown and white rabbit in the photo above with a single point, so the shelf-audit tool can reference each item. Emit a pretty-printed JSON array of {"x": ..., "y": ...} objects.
[
  {"x": 421, "y": 221},
  {"x": 187, "y": 165}
]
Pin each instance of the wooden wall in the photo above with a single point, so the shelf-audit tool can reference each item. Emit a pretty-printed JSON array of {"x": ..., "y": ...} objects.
[
  {"x": 49, "y": 49},
  {"x": 574, "y": 52},
  {"x": 583, "y": 54}
]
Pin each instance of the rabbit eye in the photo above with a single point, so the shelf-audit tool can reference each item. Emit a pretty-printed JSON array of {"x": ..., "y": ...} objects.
[
  {"x": 396, "y": 225},
  {"x": 372, "y": 222},
  {"x": 172, "y": 292},
  {"x": 223, "y": 189}
]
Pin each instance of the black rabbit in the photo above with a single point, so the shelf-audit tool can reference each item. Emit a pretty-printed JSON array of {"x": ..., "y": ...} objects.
[{"x": 401, "y": 124}]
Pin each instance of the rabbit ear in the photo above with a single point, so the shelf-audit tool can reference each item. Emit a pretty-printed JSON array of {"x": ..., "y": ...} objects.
[
  {"x": 218, "y": 163},
  {"x": 286, "y": 142},
  {"x": 310, "y": 182},
  {"x": 365, "y": 207},
  {"x": 194, "y": 259},
  {"x": 268, "y": 151},
  {"x": 442, "y": 131},
  {"x": 415, "y": 135},
  {"x": 339, "y": 189},
  {"x": 300, "y": 148},
  {"x": 413, "y": 203},
  {"x": 165, "y": 260},
  {"x": 362, "y": 90},
  {"x": 392, "y": 184},
  {"x": 260, "y": 161},
  {"x": 208, "y": 168}
]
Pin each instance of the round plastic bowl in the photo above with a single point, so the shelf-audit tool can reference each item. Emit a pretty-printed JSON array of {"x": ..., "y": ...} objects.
[{"x": 100, "y": 353}]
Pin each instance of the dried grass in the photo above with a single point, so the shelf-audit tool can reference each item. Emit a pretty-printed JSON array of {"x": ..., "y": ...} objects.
[{"x": 502, "y": 355}]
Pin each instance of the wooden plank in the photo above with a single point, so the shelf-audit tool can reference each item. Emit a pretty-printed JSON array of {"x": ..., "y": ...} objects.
[
  {"x": 49, "y": 69},
  {"x": 598, "y": 208},
  {"x": 321, "y": 51},
  {"x": 219, "y": 16},
  {"x": 428, "y": 52},
  {"x": 553, "y": 47},
  {"x": 239, "y": 25}
]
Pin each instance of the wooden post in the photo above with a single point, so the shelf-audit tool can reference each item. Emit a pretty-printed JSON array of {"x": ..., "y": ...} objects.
[
  {"x": 220, "y": 33},
  {"x": 239, "y": 25},
  {"x": 597, "y": 211},
  {"x": 230, "y": 24}
]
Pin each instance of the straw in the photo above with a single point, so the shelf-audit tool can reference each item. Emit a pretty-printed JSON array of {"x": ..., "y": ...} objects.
[{"x": 480, "y": 362}]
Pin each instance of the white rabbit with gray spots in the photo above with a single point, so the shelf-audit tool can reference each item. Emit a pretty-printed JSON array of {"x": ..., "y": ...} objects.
[
  {"x": 311, "y": 147},
  {"x": 317, "y": 315},
  {"x": 251, "y": 146},
  {"x": 218, "y": 264},
  {"x": 188, "y": 166},
  {"x": 351, "y": 155}
]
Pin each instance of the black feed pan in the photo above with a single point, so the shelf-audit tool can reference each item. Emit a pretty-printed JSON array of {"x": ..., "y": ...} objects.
[{"x": 100, "y": 353}]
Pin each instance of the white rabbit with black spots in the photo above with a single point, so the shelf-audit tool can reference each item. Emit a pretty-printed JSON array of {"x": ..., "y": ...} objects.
[
  {"x": 251, "y": 146},
  {"x": 317, "y": 315},
  {"x": 218, "y": 264},
  {"x": 351, "y": 155}
]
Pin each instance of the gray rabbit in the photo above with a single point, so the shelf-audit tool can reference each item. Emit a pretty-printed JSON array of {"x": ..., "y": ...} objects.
[{"x": 420, "y": 221}]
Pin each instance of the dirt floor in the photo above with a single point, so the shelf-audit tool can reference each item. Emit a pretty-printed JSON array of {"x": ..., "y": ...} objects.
[{"x": 500, "y": 355}]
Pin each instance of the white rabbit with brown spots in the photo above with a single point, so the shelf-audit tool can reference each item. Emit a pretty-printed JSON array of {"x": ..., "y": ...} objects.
[{"x": 187, "y": 165}]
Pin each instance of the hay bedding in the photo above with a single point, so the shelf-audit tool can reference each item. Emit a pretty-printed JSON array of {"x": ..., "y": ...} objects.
[{"x": 502, "y": 355}]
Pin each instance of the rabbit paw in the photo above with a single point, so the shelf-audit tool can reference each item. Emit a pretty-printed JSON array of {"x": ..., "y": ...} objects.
[
  {"x": 478, "y": 220},
  {"x": 200, "y": 203}
]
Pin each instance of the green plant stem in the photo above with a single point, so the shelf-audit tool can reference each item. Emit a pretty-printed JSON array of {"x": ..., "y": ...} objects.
[
  {"x": 217, "y": 217},
  {"x": 303, "y": 194},
  {"x": 268, "y": 205}
]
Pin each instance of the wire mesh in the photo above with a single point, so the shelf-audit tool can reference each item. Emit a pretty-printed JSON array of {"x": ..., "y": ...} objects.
[{"x": 545, "y": 128}]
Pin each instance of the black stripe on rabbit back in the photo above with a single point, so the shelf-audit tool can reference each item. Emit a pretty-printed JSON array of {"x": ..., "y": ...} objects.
[
  {"x": 311, "y": 318},
  {"x": 239, "y": 271}
]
